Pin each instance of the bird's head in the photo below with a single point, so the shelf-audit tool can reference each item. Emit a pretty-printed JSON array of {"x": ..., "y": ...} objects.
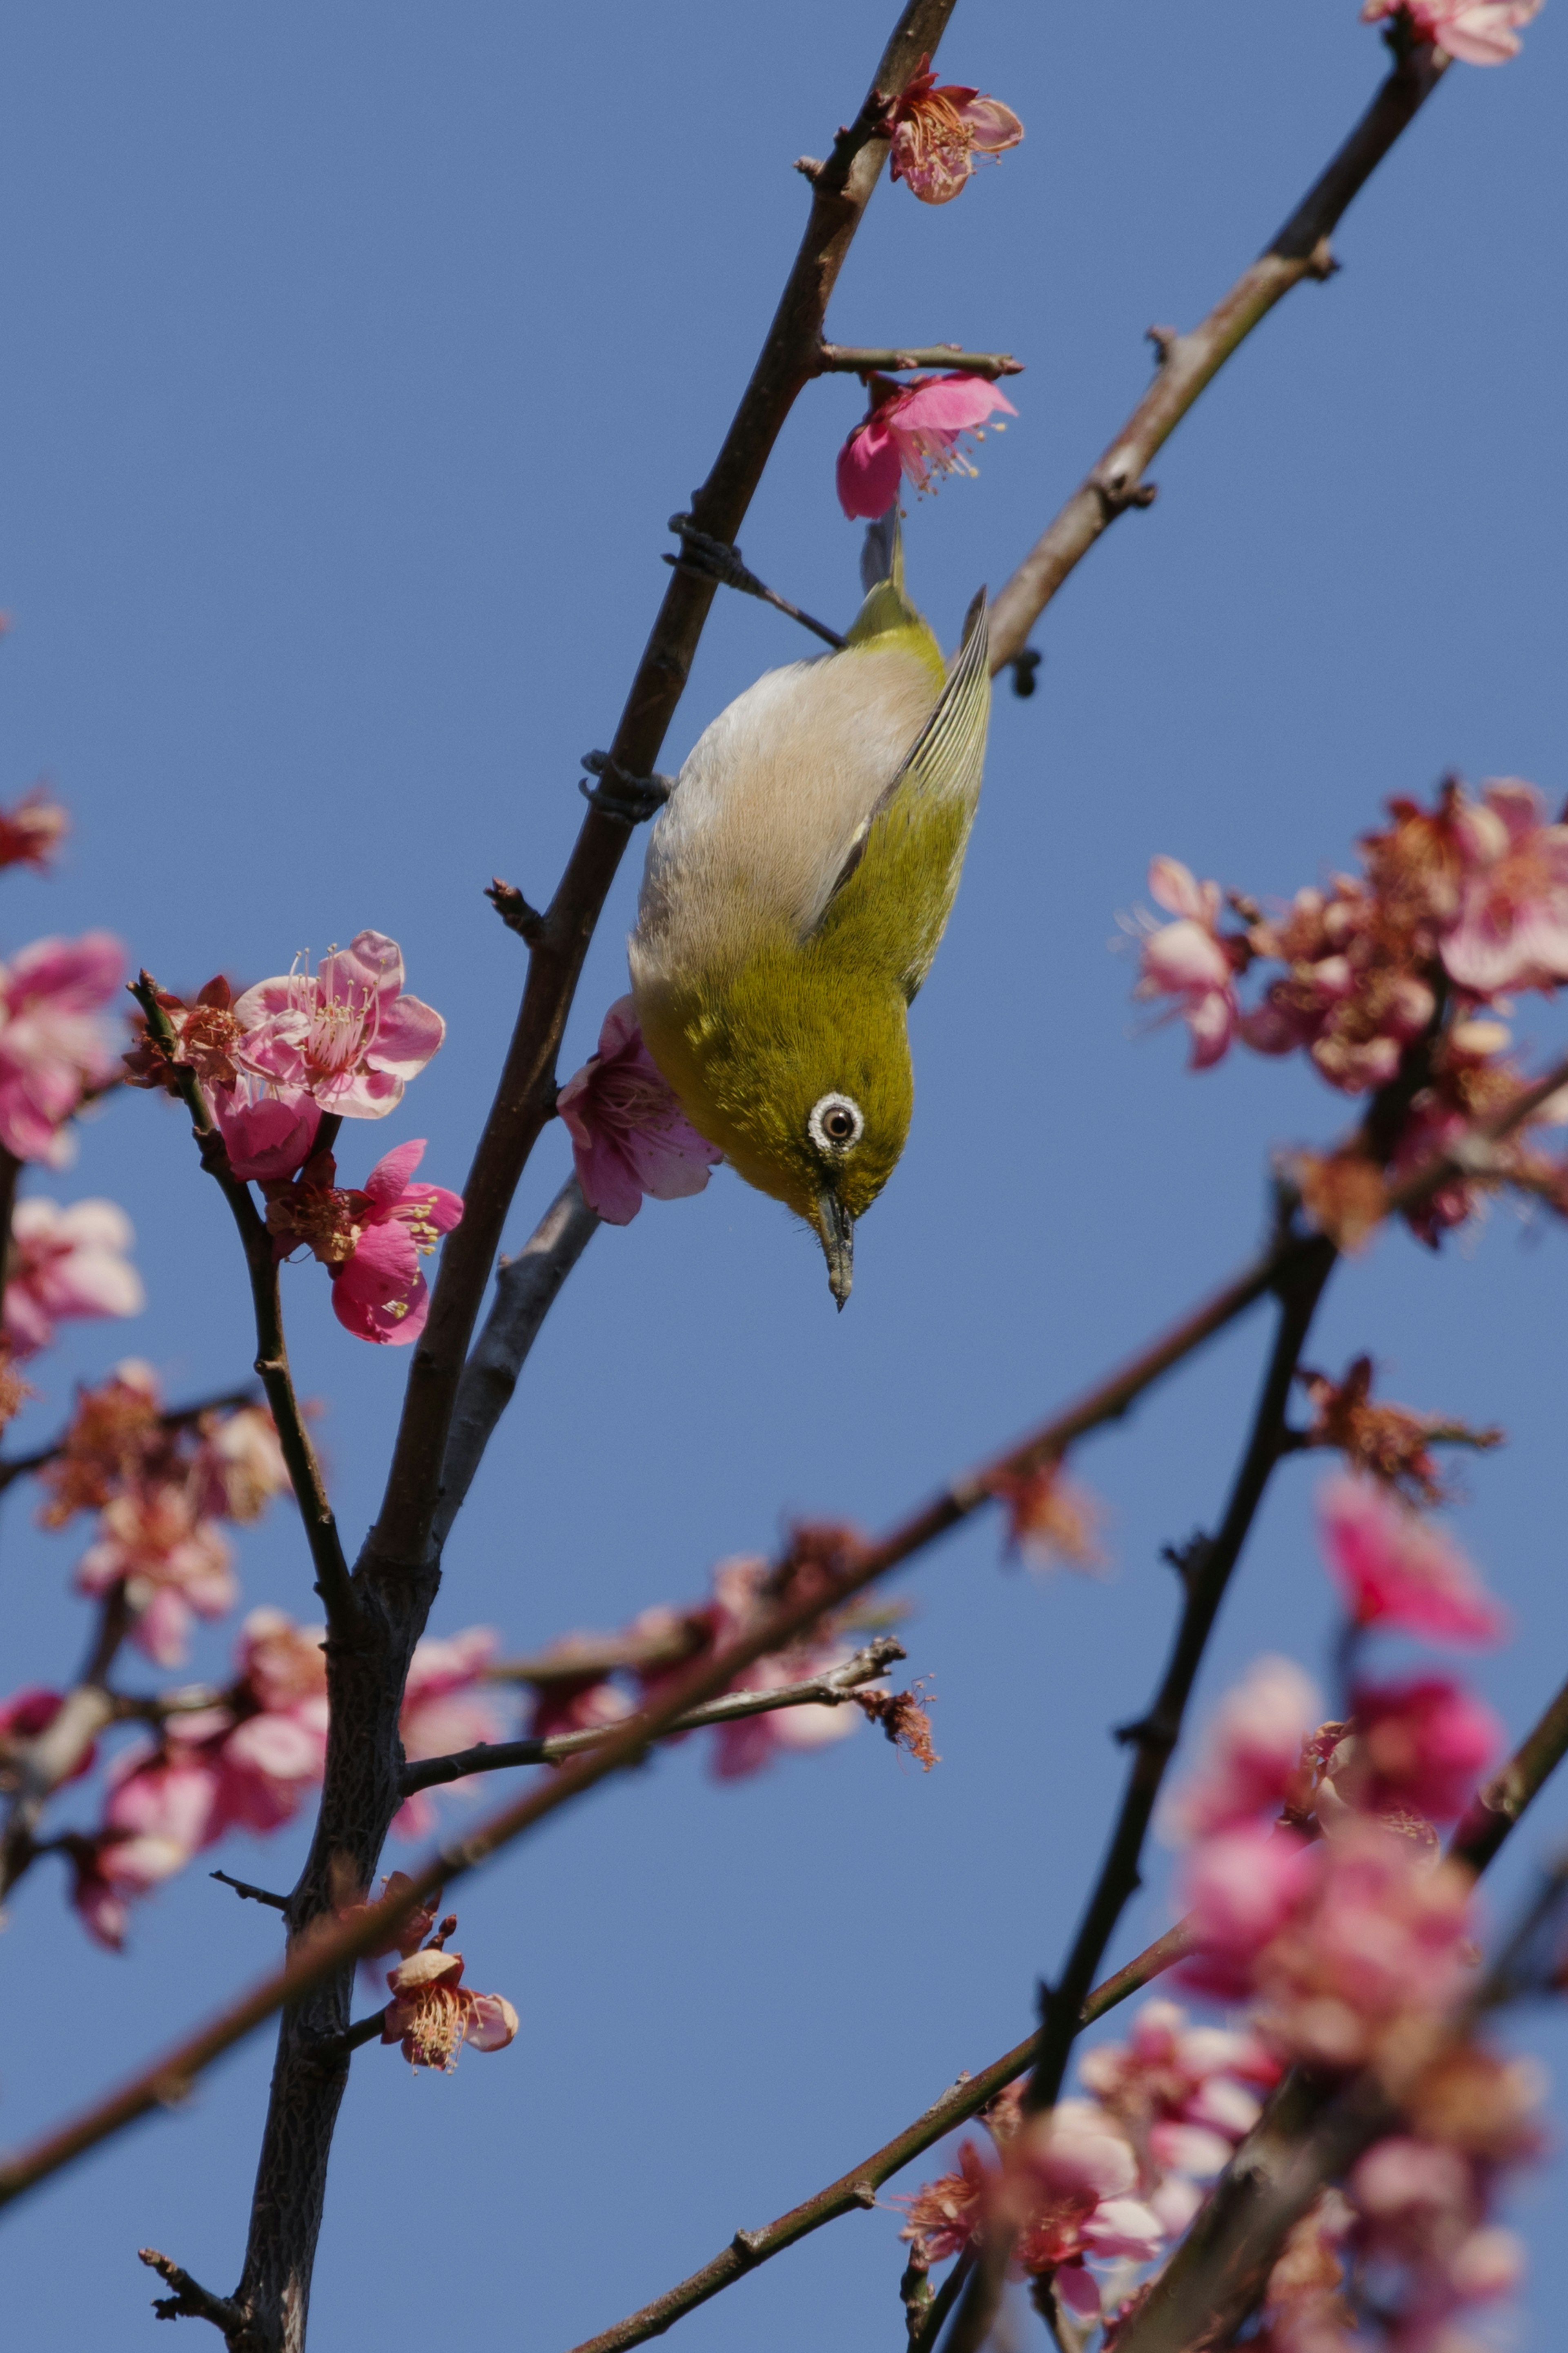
[{"x": 801, "y": 1076}]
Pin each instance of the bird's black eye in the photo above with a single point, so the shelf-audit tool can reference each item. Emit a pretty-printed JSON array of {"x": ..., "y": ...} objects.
[{"x": 836, "y": 1123}]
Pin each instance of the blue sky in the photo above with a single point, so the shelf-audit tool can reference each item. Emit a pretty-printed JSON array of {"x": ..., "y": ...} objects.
[{"x": 355, "y": 359}]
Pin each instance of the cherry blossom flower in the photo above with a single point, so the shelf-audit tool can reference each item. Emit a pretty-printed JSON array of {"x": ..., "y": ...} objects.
[
  {"x": 32, "y": 830},
  {"x": 239, "y": 1465},
  {"x": 747, "y": 1746},
  {"x": 1190, "y": 961},
  {"x": 1396, "y": 1570},
  {"x": 112, "y": 1872},
  {"x": 52, "y": 1051},
  {"x": 446, "y": 1707},
  {"x": 346, "y": 1035},
  {"x": 23, "y": 1717},
  {"x": 1241, "y": 1888},
  {"x": 1476, "y": 32},
  {"x": 171, "y": 1563},
  {"x": 1251, "y": 1761},
  {"x": 941, "y": 133},
  {"x": 66, "y": 1263},
  {"x": 944, "y": 2216},
  {"x": 410, "y": 1931},
  {"x": 370, "y": 1240},
  {"x": 1512, "y": 926},
  {"x": 432, "y": 2013},
  {"x": 268, "y": 1133},
  {"x": 1420, "y": 1745},
  {"x": 912, "y": 432},
  {"x": 629, "y": 1136}
]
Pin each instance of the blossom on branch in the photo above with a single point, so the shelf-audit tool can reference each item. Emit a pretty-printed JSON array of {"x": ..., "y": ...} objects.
[
  {"x": 629, "y": 1136},
  {"x": 53, "y": 1052},
  {"x": 447, "y": 1705},
  {"x": 940, "y": 134},
  {"x": 65, "y": 1263},
  {"x": 268, "y": 1133},
  {"x": 1251, "y": 1760},
  {"x": 914, "y": 432},
  {"x": 1476, "y": 32},
  {"x": 432, "y": 2013},
  {"x": 345, "y": 1035},
  {"x": 1388, "y": 1443},
  {"x": 1418, "y": 1745},
  {"x": 206, "y": 1033},
  {"x": 1511, "y": 930},
  {"x": 171, "y": 1564},
  {"x": 370, "y": 1240}
]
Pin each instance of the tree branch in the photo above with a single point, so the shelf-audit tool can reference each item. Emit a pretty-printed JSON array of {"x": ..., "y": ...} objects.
[
  {"x": 250, "y": 1894},
  {"x": 844, "y": 359},
  {"x": 338, "y": 1596},
  {"x": 829, "y": 1690},
  {"x": 190, "y": 2300},
  {"x": 840, "y": 192},
  {"x": 527, "y": 1287},
  {"x": 1189, "y": 363}
]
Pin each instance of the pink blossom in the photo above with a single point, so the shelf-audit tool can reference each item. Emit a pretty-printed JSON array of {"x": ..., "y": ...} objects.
[
  {"x": 370, "y": 1240},
  {"x": 1251, "y": 1761},
  {"x": 112, "y": 1872},
  {"x": 1075, "y": 2151},
  {"x": 940, "y": 134},
  {"x": 171, "y": 1563},
  {"x": 270, "y": 1762},
  {"x": 1397, "y": 1571},
  {"x": 1241, "y": 1888},
  {"x": 238, "y": 1468},
  {"x": 66, "y": 1263},
  {"x": 1422, "y": 1745},
  {"x": 1512, "y": 926},
  {"x": 29, "y": 1711},
  {"x": 347, "y": 1035},
  {"x": 268, "y": 1132},
  {"x": 1476, "y": 32},
  {"x": 629, "y": 1136},
  {"x": 52, "y": 1051},
  {"x": 1188, "y": 960},
  {"x": 32, "y": 830},
  {"x": 913, "y": 430},
  {"x": 432, "y": 2013},
  {"x": 756, "y": 1741},
  {"x": 446, "y": 1707}
]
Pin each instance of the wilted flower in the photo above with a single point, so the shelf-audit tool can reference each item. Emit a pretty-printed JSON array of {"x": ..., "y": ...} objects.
[
  {"x": 1396, "y": 1570},
  {"x": 941, "y": 133},
  {"x": 52, "y": 1051},
  {"x": 32, "y": 830},
  {"x": 432, "y": 2013},
  {"x": 629, "y": 1136},
  {"x": 370, "y": 1240},
  {"x": 1476, "y": 32},
  {"x": 1386, "y": 1441},
  {"x": 115, "y": 1433},
  {"x": 65, "y": 1263},
  {"x": 205, "y": 1035},
  {"x": 1051, "y": 1517},
  {"x": 912, "y": 431},
  {"x": 346, "y": 1035}
]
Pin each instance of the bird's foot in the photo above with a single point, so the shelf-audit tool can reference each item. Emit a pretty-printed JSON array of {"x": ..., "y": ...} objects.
[
  {"x": 631, "y": 801},
  {"x": 717, "y": 560}
]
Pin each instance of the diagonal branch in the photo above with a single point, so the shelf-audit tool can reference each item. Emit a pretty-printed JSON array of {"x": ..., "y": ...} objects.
[
  {"x": 1187, "y": 363},
  {"x": 332, "y": 1584},
  {"x": 844, "y": 359},
  {"x": 841, "y": 189},
  {"x": 332, "y": 1948},
  {"x": 179, "y": 1418},
  {"x": 829, "y": 1690}
]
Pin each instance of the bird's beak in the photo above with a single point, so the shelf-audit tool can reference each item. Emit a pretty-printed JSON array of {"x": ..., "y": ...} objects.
[{"x": 837, "y": 1245}]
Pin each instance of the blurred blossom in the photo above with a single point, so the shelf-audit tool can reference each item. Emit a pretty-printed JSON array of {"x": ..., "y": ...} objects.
[
  {"x": 1476, "y": 32},
  {"x": 32, "y": 829},
  {"x": 53, "y": 1051},
  {"x": 1386, "y": 1442},
  {"x": 1189, "y": 960},
  {"x": 447, "y": 1705},
  {"x": 346, "y": 1035},
  {"x": 65, "y": 1263},
  {"x": 1051, "y": 1517},
  {"x": 239, "y": 1464},
  {"x": 173, "y": 1565},
  {"x": 1251, "y": 1759},
  {"x": 629, "y": 1136},
  {"x": 940, "y": 134},
  {"x": 914, "y": 432},
  {"x": 1396, "y": 1571},
  {"x": 1421, "y": 1744}
]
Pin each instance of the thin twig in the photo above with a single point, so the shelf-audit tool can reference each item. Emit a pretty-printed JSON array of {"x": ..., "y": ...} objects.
[
  {"x": 332, "y": 1582},
  {"x": 243, "y": 1888},
  {"x": 527, "y": 1287},
  {"x": 829, "y": 1690},
  {"x": 846, "y": 359},
  {"x": 941, "y": 2304},
  {"x": 1189, "y": 363},
  {"x": 190, "y": 2300},
  {"x": 333, "y": 1948}
]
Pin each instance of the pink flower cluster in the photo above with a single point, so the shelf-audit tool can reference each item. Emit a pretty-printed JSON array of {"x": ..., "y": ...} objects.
[
  {"x": 1476, "y": 32},
  {"x": 159, "y": 1490},
  {"x": 914, "y": 432},
  {"x": 53, "y": 1050},
  {"x": 432, "y": 2012},
  {"x": 941, "y": 132},
  {"x": 370, "y": 1240},
  {"x": 447, "y": 1705},
  {"x": 1456, "y": 907},
  {"x": 629, "y": 1136},
  {"x": 65, "y": 1263}
]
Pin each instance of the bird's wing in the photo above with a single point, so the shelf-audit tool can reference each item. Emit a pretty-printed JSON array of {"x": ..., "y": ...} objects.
[{"x": 895, "y": 888}]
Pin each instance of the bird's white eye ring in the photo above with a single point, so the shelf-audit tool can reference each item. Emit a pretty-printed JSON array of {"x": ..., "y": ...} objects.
[{"x": 836, "y": 1123}]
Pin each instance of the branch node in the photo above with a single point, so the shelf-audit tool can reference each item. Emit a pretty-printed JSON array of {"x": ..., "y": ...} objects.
[
  {"x": 629, "y": 800},
  {"x": 190, "y": 2300},
  {"x": 864, "y": 2193},
  {"x": 809, "y": 167},
  {"x": 1153, "y": 1732},
  {"x": 1321, "y": 263},
  {"x": 1164, "y": 340},
  {"x": 515, "y": 911},
  {"x": 1023, "y": 666}
]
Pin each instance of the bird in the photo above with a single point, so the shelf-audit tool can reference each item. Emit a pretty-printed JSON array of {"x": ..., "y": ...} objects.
[{"x": 797, "y": 884}]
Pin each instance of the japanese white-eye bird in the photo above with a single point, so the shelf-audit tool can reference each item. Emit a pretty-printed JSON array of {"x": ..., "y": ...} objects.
[{"x": 798, "y": 881}]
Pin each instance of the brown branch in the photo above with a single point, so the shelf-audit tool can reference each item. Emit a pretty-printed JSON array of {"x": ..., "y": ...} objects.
[
  {"x": 829, "y": 1690},
  {"x": 1189, "y": 363},
  {"x": 330, "y": 1950},
  {"x": 332, "y": 1583},
  {"x": 527, "y": 1287},
  {"x": 524, "y": 1099},
  {"x": 190, "y": 2300},
  {"x": 844, "y": 359},
  {"x": 250, "y": 1894}
]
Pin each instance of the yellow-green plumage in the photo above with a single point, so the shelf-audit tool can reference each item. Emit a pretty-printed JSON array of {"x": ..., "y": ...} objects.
[{"x": 797, "y": 885}]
